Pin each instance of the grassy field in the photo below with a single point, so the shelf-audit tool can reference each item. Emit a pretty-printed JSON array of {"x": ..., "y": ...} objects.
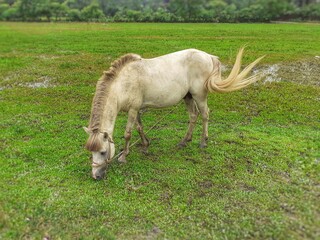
[{"x": 258, "y": 178}]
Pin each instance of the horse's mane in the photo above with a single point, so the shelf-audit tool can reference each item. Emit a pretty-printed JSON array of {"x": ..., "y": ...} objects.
[{"x": 99, "y": 100}]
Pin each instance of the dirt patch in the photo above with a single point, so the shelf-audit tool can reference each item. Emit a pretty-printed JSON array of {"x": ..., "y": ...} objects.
[
  {"x": 270, "y": 73},
  {"x": 47, "y": 57},
  {"x": 43, "y": 82},
  {"x": 306, "y": 72}
]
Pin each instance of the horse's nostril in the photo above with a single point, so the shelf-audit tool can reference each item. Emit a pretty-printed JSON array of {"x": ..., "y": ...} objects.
[
  {"x": 98, "y": 177},
  {"x": 98, "y": 174}
]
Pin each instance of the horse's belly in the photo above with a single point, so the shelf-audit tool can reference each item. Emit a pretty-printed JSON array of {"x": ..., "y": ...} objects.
[{"x": 164, "y": 95}]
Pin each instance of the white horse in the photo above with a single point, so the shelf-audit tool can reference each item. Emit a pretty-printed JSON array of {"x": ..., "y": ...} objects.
[{"x": 133, "y": 83}]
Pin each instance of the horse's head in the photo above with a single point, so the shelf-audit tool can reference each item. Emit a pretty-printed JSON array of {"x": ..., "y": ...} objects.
[{"x": 102, "y": 148}]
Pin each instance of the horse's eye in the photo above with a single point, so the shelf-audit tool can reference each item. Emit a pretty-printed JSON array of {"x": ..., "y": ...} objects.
[{"x": 103, "y": 153}]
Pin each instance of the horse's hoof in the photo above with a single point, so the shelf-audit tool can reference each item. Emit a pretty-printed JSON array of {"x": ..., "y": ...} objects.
[
  {"x": 182, "y": 145},
  {"x": 145, "y": 151},
  {"x": 203, "y": 145},
  {"x": 122, "y": 159}
]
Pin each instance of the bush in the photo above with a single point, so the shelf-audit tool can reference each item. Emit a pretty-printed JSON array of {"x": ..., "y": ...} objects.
[
  {"x": 254, "y": 13},
  {"x": 311, "y": 12},
  {"x": 120, "y": 16},
  {"x": 3, "y": 7},
  {"x": 229, "y": 14},
  {"x": 275, "y": 9},
  {"x": 58, "y": 10},
  {"x": 11, "y": 14},
  {"x": 162, "y": 15},
  {"x": 74, "y": 15},
  {"x": 92, "y": 13},
  {"x": 133, "y": 15}
]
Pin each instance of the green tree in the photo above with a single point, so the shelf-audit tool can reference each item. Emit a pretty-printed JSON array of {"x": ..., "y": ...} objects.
[
  {"x": 253, "y": 13},
  {"x": 187, "y": 9},
  {"x": 311, "y": 12},
  {"x": 213, "y": 10},
  {"x": 27, "y": 9},
  {"x": 275, "y": 9},
  {"x": 161, "y": 15},
  {"x": 44, "y": 10},
  {"x": 10, "y": 2},
  {"x": 58, "y": 10},
  {"x": 3, "y": 8},
  {"x": 92, "y": 12},
  {"x": 11, "y": 13},
  {"x": 74, "y": 15},
  {"x": 77, "y": 4}
]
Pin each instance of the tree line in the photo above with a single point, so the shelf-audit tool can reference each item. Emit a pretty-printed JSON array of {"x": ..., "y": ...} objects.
[{"x": 160, "y": 10}]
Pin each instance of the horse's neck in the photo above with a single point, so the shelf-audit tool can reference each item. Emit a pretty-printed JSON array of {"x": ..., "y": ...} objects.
[{"x": 109, "y": 115}]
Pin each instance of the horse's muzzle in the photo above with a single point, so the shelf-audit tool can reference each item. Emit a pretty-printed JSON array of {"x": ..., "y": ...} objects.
[
  {"x": 98, "y": 177},
  {"x": 99, "y": 174}
]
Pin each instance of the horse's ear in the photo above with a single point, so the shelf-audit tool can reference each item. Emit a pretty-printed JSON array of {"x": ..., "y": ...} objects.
[{"x": 86, "y": 130}]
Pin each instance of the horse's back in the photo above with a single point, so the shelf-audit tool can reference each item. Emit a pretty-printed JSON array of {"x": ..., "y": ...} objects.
[{"x": 165, "y": 80}]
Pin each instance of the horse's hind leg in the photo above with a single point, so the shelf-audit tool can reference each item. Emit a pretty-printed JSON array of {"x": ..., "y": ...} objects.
[
  {"x": 144, "y": 139},
  {"x": 132, "y": 116},
  {"x": 204, "y": 110},
  {"x": 193, "y": 115}
]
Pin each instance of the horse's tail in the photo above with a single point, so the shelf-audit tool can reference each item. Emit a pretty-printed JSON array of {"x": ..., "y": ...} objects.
[{"x": 235, "y": 80}]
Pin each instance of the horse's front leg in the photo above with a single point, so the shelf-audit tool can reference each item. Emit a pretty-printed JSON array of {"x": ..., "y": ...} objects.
[
  {"x": 132, "y": 116},
  {"x": 144, "y": 139}
]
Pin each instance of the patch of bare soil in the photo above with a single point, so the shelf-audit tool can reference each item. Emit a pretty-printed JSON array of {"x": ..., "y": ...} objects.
[
  {"x": 43, "y": 82},
  {"x": 306, "y": 72}
]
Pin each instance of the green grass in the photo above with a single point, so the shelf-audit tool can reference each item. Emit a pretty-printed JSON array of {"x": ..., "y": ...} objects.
[{"x": 258, "y": 178}]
